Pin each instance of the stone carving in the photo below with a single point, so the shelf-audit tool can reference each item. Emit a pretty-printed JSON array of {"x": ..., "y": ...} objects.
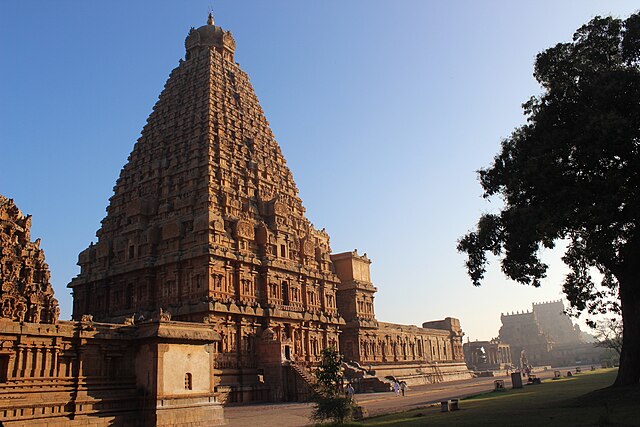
[
  {"x": 308, "y": 248},
  {"x": 21, "y": 311},
  {"x": 209, "y": 319},
  {"x": 280, "y": 208},
  {"x": 164, "y": 316},
  {"x": 269, "y": 335},
  {"x": 245, "y": 230},
  {"x": 25, "y": 291}
]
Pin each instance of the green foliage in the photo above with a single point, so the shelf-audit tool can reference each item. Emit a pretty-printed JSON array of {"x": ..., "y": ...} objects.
[
  {"x": 573, "y": 172},
  {"x": 330, "y": 401},
  {"x": 336, "y": 408},
  {"x": 330, "y": 373}
]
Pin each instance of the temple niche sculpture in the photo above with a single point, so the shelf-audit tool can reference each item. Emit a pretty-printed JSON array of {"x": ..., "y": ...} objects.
[{"x": 25, "y": 294}]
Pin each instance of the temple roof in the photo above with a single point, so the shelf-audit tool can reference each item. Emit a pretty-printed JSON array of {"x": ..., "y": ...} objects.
[{"x": 210, "y": 35}]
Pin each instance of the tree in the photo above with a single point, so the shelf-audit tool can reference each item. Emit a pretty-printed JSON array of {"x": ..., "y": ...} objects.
[
  {"x": 330, "y": 401},
  {"x": 609, "y": 335},
  {"x": 572, "y": 172}
]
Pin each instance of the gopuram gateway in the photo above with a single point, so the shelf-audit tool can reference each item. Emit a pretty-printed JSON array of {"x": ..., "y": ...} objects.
[
  {"x": 546, "y": 335},
  {"x": 206, "y": 259}
]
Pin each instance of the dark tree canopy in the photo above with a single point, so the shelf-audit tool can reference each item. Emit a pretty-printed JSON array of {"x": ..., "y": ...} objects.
[{"x": 573, "y": 172}]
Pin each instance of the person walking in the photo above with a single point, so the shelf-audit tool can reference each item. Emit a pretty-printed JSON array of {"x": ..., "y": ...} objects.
[
  {"x": 396, "y": 388},
  {"x": 350, "y": 391},
  {"x": 403, "y": 387}
]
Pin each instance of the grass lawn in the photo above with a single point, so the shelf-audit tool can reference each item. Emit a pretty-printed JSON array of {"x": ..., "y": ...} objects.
[{"x": 575, "y": 401}]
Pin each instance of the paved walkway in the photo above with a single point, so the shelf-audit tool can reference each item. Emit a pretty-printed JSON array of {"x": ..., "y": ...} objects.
[{"x": 297, "y": 414}]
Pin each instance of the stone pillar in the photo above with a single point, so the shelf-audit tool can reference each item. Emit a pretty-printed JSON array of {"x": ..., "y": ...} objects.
[
  {"x": 54, "y": 361},
  {"x": 32, "y": 357},
  {"x": 294, "y": 342},
  {"x": 45, "y": 363},
  {"x": 325, "y": 339},
  {"x": 12, "y": 366},
  {"x": 18, "y": 362},
  {"x": 307, "y": 344}
]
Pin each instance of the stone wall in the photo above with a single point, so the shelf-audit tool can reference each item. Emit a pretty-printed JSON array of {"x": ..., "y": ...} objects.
[{"x": 84, "y": 373}]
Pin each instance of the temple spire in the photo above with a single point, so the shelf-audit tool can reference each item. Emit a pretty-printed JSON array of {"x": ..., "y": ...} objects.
[{"x": 210, "y": 19}]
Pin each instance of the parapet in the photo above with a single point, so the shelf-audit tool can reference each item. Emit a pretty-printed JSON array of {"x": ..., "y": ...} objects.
[{"x": 448, "y": 324}]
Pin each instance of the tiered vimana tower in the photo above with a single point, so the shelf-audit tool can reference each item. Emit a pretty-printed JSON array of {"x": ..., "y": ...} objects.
[{"x": 206, "y": 223}]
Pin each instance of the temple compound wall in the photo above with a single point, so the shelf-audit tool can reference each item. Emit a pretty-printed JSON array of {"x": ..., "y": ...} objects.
[
  {"x": 90, "y": 374},
  {"x": 81, "y": 373}
]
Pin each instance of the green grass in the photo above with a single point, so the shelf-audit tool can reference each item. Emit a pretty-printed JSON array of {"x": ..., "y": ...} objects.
[{"x": 576, "y": 401}]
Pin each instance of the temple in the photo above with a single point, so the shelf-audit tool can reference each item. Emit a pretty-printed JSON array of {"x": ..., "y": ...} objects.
[
  {"x": 545, "y": 335},
  {"x": 206, "y": 228},
  {"x": 206, "y": 223}
]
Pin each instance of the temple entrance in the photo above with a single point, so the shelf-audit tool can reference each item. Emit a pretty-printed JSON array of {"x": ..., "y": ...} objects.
[
  {"x": 4, "y": 368},
  {"x": 287, "y": 352}
]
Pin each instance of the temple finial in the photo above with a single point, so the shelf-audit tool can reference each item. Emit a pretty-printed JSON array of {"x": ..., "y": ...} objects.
[{"x": 210, "y": 18}]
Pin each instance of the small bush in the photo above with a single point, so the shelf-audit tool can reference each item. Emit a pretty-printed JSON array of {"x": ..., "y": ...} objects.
[
  {"x": 330, "y": 401},
  {"x": 337, "y": 409}
]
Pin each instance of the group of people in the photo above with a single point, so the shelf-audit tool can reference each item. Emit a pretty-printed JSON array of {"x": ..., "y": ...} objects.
[{"x": 399, "y": 387}]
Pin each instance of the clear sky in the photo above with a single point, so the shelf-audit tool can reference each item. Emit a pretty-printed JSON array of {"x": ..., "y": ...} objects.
[{"x": 384, "y": 111}]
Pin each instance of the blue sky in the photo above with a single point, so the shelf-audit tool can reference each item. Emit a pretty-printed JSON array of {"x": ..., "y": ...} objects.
[{"x": 384, "y": 111}]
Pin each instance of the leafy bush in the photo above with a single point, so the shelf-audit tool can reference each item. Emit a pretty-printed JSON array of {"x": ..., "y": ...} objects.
[{"x": 330, "y": 401}]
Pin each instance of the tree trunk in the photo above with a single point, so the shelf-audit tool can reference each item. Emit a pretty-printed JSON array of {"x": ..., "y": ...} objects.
[{"x": 629, "y": 371}]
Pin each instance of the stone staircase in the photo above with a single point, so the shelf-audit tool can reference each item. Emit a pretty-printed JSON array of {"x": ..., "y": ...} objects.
[
  {"x": 307, "y": 384},
  {"x": 365, "y": 381},
  {"x": 437, "y": 375},
  {"x": 305, "y": 374}
]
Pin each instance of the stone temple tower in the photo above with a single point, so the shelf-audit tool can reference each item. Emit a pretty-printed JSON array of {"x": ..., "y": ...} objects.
[{"x": 206, "y": 223}]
